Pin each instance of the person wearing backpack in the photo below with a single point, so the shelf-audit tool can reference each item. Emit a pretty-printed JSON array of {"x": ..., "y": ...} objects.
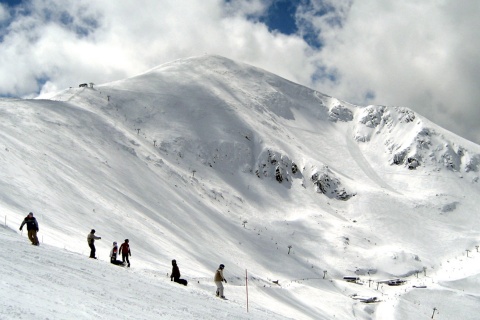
[
  {"x": 125, "y": 252},
  {"x": 218, "y": 279},
  {"x": 32, "y": 228}
]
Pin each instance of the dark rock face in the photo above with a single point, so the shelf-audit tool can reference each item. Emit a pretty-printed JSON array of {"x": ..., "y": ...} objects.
[{"x": 330, "y": 186}]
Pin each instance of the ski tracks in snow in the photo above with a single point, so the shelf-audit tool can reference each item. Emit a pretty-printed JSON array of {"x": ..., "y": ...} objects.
[{"x": 363, "y": 163}]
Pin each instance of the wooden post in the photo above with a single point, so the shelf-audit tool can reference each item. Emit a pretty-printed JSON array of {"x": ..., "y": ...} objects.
[
  {"x": 434, "y": 309},
  {"x": 246, "y": 285}
]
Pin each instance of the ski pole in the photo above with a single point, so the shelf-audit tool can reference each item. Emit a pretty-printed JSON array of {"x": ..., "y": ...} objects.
[{"x": 246, "y": 285}]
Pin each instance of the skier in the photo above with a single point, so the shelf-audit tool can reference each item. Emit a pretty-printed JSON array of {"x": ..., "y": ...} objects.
[
  {"x": 113, "y": 255},
  {"x": 125, "y": 251},
  {"x": 91, "y": 243},
  {"x": 175, "y": 276},
  {"x": 218, "y": 281},
  {"x": 32, "y": 227}
]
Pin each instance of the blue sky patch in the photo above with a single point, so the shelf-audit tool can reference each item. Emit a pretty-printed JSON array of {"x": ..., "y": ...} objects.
[
  {"x": 281, "y": 16},
  {"x": 12, "y": 3}
]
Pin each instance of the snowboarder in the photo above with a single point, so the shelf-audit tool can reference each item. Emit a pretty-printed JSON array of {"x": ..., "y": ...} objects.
[
  {"x": 125, "y": 251},
  {"x": 113, "y": 255},
  {"x": 218, "y": 281},
  {"x": 175, "y": 276},
  {"x": 91, "y": 243},
  {"x": 32, "y": 227}
]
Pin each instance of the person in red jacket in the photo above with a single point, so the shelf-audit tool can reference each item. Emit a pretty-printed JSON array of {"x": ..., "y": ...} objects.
[{"x": 125, "y": 252}]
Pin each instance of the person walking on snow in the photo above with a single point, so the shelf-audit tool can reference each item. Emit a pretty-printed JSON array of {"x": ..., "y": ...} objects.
[
  {"x": 32, "y": 227},
  {"x": 91, "y": 243},
  {"x": 125, "y": 251},
  {"x": 113, "y": 255},
  {"x": 219, "y": 278},
  {"x": 175, "y": 276}
]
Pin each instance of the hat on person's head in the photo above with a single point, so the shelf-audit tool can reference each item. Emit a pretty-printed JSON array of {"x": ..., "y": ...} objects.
[
  {"x": 114, "y": 243},
  {"x": 30, "y": 213},
  {"x": 93, "y": 231},
  {"x": 221, "y": 266},
  {"x": 126, "y": 240},
  {"x": 174, "y": 261}
]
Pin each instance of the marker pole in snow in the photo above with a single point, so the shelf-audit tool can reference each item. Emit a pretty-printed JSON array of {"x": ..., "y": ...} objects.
[
  {"x": 5, "y": 220},
  {"x": 246, "y": 285}
]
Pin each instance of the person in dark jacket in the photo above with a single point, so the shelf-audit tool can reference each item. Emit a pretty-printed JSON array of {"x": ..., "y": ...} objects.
[
  {"x": 91, "y": 243},
  {"x": 32, "y": 227},
  {"x": 113, "y": 255},
  {"x": 125, "y": 251},
  {"x": 175, "y": 276}
]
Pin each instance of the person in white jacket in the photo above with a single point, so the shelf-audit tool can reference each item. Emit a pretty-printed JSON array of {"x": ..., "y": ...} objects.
[
  {"x": 218, "y": 279},
  {"x": 91, "y": 243},
  {"x": 113, "y": 255}
]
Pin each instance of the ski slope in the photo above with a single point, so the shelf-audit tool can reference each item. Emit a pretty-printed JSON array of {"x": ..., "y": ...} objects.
[
  {"x": 185, "y": 161},
  {"x": 52, "y": 283}
]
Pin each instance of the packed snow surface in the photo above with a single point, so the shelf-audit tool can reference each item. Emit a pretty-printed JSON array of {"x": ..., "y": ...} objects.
[{"x": 208, "y": 161}]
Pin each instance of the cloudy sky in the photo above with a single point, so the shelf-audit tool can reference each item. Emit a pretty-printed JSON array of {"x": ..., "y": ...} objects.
[{"x": 424, "y": 55}]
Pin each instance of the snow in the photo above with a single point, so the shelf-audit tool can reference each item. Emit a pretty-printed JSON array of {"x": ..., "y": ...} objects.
[
  {"x": 50, "y": 283},
  {"x": 178, "y": 158}
]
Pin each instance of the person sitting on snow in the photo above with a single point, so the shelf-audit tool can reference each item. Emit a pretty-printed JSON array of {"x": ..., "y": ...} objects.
[
  {"x": 175, "y": 276},
  {"x": 113, "y": 255}
]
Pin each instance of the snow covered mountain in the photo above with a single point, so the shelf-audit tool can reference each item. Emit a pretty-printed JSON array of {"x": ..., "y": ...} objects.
[{"x": 211, "y": 161}]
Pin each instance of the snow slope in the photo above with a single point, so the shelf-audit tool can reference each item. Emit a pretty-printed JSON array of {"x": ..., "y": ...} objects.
[
  {"x": 211, "y": 161},
  {"x": 50, "y": 283}
]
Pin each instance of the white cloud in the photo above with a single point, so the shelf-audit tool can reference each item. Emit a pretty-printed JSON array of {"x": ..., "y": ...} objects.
[
  {"x": 109, "y": 40},
  {"x": 4, "y": 14},
  {"x": 422, "y": 55}
]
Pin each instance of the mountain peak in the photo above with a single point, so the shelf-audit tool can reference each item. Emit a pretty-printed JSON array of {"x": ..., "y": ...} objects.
[{"x": 211, "y": 161}]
